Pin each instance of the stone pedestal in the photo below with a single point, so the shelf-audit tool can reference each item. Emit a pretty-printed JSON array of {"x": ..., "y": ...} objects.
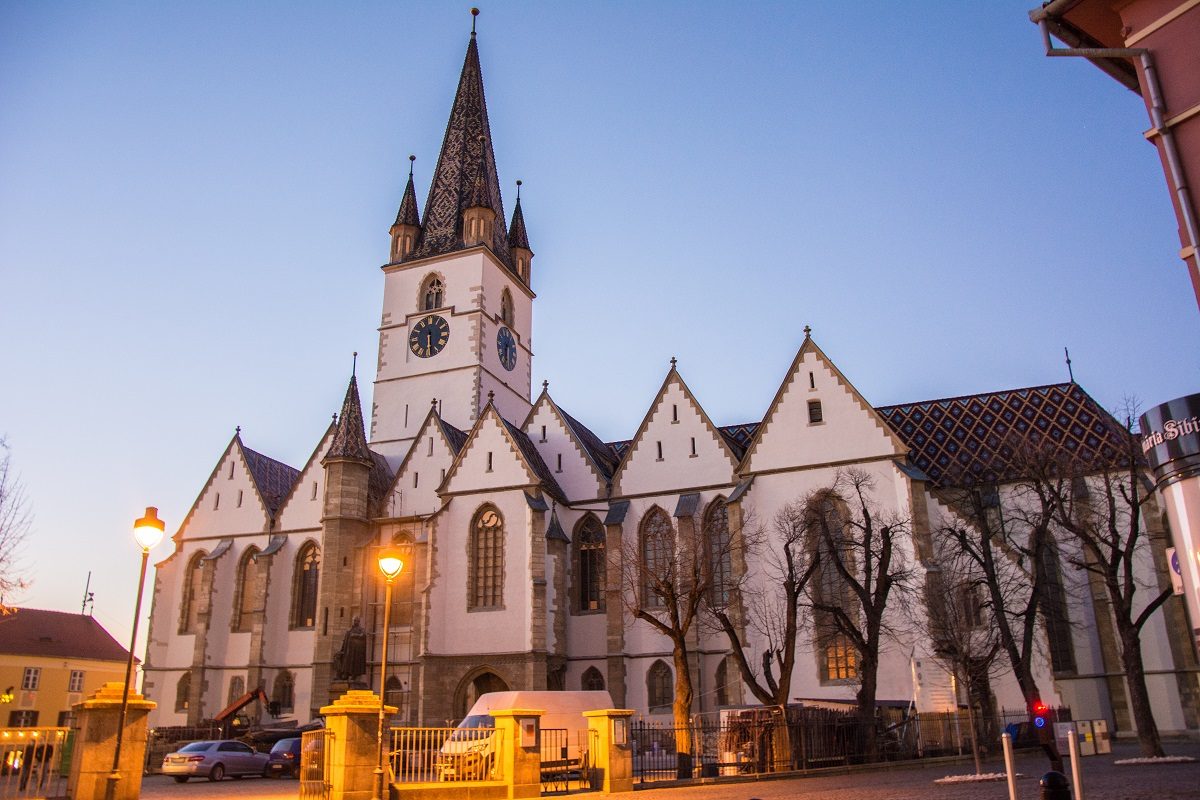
[
  {"x": 97, "y": 718},
  {"x": 352, "y": 751},
  {"x": 520, "y": 763},
  {"x": 614, "y": 750}
]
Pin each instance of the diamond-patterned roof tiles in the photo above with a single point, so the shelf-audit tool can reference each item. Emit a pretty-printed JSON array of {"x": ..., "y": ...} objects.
[
  {"x": 350, "y": 438},
  {"x": 274, "y": 479}
]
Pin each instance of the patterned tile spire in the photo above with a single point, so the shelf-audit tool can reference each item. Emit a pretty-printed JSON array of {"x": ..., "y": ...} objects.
[
  {"x": 465, "y": 173},
  {"x": 350, "y": 438},
  {"x": 407, "y": 215},
  {"x": 517, "y": 237}
]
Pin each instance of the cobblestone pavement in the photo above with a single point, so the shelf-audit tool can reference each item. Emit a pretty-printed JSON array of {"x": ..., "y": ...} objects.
[{"x": 1101, "y": 780}]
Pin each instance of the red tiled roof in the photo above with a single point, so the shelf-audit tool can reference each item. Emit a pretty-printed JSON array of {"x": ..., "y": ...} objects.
[{"x": 57, "y": 634}]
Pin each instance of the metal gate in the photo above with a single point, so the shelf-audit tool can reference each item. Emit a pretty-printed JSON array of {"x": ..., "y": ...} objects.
[
  {"x": 34, "y": 762},
  {"x": 314, "y": 764},
  {"x": 567, "y": 766}
]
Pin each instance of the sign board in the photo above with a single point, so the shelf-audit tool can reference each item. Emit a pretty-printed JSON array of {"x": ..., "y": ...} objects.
[
  {"x": 1170, "y": 436},
  {"x": 1063, "y": 731},
  {"x": 1175, "y": 570}
]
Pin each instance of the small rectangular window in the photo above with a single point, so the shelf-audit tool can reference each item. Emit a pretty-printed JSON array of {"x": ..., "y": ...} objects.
[
  {"x": 814, "y": 412},
  {"x": 489, "y": 466},
  {"x": 76, "y": 682},
  {"x": 660, "y": 458},
  {"x": 674, "y": 413},
  {"x": 416, "y": 479},
  {"x": 239, "y": 504},
  {"x": 22, "y": 719},
  {"x": 543, "y": 433},
  {"x": 559, "y": 469},
  {"x": 430, "y": 445},
  {"x": 314, "y": 490},
  {"x": 230, "y": 470},
  {"x": 812, "y": 381},
  {"x": 693, "y": 445},
  {"x": 31, "y": 679},
  {"x": 217, "y": 501},
  {"x": 443, "y": 473},
  {"x": 406, "y": 415}
]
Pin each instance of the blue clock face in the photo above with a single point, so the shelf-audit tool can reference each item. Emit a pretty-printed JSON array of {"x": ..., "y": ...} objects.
[
  {"x": 429, "y": 336},
  {"x": 506, "y": 346}
]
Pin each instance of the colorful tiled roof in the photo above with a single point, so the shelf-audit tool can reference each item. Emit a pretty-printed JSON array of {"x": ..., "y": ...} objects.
[
  {"x": 274, "y": 479},
  {"x": 57, "y": 634},
  {"x": 738, "y": 436},
  {"x": 407, "y": 215},
  {"x": 350, "y": 438},
  {"x": 977, "y": 438},
  {"x": 517, "y": 235},
  {"x": 466, "y": 156}
]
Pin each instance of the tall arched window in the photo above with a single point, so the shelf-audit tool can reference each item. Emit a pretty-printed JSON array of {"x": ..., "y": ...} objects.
[
  {"x": 237, "y": 688},
  {"x": 182, "y": 690},
  {"x": 283, "y": 696},
  {"x": 658, "y": 548},
  {"x": 727, "y": 682},
  {"x": 838, "y": 659},
  {"x": 506, "y": 307},
  {"x": 244, "y": 593},
  {"x": 395, "y": 695},
  {"x": 433, "y": 293},
  {"x": 485, "y": 579},
  {"x": 592, "y": 680},
  {"x": 589, "y": 565},
  {"x": 720, "y": 558},
  {"x": 304, "y": 586},
  {"x": 660, "y": 687},
  {"x": 189, "y": 605}
]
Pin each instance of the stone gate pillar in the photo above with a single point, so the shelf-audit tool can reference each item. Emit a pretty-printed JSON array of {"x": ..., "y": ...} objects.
[
  {"x": 613, "y": 757},
  {"x": 97, "y": 718}
]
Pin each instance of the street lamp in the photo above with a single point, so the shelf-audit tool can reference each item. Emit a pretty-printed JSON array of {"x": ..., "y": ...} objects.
[
  {"x": 390, "y": 565},
  {"x": 147, "y": 532}
]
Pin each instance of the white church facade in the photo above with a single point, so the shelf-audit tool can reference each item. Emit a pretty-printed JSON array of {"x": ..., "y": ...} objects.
[{"x": 514, "y": 515}]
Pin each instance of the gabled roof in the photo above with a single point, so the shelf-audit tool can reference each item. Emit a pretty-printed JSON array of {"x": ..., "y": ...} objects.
[
  {"x": 273, "y": 479},
  {"x": 975, "y": 438},
  {"x": 454, "y": 437},
  {"x": 350, "y": 438},
  {"x": 311, "y": 459},
  {"x": 602, "y": 455},
  {"x": 466, "y": 156},
  {"x": 738, "y": 437},
  {"x": 57, "y": 634},
  {"x": 534, "y": 459},
  {"x": 379, "y": 483}
]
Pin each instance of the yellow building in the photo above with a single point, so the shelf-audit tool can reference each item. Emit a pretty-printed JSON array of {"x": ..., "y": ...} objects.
[{"x": 50, "y": 660}]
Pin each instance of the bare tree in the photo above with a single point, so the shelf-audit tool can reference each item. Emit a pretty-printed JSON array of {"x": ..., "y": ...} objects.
[
  {"x": 965, "y": 639},
  {"x": 668, "y": 575},
  {"x": 1100, "y": 507},
  {"x": 863, "y": 567},
  {"x": 1008, "y": 538},
  {"x": 14, "y": 527}
]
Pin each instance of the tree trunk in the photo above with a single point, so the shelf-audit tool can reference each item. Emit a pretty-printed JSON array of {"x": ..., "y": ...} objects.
[
  {"x": 974, "y": 730},
  {"x": 1139, "y": 696},
  {"x": 682, "y": 712},
  {"x": 869, "y": 677}
]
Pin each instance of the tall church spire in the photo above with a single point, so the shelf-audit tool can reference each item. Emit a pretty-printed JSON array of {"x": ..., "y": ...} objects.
[
  {"x": 350, "y": 439},
  {"x": 407, "y": 226},
  {"x": 465, "y": 175},
  {"x": 518, "y": 241}
]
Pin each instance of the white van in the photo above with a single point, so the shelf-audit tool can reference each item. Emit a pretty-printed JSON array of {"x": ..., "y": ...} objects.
[{"x": 467, "y": 754}]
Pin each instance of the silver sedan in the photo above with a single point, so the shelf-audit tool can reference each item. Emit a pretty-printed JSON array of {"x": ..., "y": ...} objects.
[{"x": 214, "y": 760}]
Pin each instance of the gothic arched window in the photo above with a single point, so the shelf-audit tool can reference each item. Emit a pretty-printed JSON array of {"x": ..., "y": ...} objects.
[
  {"x": 304, "y": 586},
  {"x": 592, "y": 680},
  {"x": 727, "y": 677},
  {"x": 657, "y": 557},
  {"x": 506, "y": 307},
  {"x": 589, "y": 565},
  {"x": 244, "y": 594},
  {"x": 720, "y": 559},
  {"x": 182, "y": 690},
  {"x": 838, "y": 659},
  {"x": 485, "y": 578},
  {"x": 283, "y": 696},
  {"x": 660, "y": 687},
  {"x": 189, "y": 605},
  {"x": 237, "y": 688},
  {"x": 433, "y": 293}
]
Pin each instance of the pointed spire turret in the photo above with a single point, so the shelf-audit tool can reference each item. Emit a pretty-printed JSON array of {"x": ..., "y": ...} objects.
[
  {"x": 518, "y": 241},
  {"x": 350, "y": 438},
  {"x": 465, "y": 176},
  {"x": 407, "y": 226}
]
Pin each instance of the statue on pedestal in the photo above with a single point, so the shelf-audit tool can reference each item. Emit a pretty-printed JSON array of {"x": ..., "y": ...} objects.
[{"x": 350, "y": 661}]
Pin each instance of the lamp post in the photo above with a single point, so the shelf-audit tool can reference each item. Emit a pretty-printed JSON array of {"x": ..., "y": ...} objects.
[
  {"x": 148, "y": 532},
  {"x": 390, "y": 565}
]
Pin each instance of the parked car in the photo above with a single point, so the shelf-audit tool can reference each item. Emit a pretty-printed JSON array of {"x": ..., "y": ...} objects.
[
  {"x": 214, "y": 760},
  {"x": 284, "y": 760}
]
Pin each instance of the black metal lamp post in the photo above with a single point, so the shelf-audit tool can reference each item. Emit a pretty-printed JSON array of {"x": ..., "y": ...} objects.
[{"x": 390, "y": 565}]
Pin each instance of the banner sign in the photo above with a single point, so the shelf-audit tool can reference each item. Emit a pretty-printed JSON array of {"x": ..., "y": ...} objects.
[{"x": 1170, "y": 435}]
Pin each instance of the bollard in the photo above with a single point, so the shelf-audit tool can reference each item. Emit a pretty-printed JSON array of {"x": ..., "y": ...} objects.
[
  {"x": 1055, "y": 787},
  {"x": 1007, "y": 740},
  {"x": 1076, "y": 777}
]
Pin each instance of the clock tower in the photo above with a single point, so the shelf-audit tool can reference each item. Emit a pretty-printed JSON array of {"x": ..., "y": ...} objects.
[{"x": 457, "y": 307}]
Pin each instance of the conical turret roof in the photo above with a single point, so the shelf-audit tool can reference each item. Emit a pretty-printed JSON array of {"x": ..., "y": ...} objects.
[
  {"x": 466, "y": 157},
  {"x": 350, "y": 438},
  {"x": 517, "y": 237},
  {"x": 407, "y": 215}
]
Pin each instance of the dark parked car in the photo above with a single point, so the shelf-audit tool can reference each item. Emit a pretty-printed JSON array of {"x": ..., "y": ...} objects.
[
  {"x": 285, "y": 759},
  {"x": 214, "y": 760}
]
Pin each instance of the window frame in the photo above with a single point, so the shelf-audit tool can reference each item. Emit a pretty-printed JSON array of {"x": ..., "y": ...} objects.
[
  {"x": 433, "y": 293},
  {"x": 485, "y": 560},
  {"x": 590, "y": 566},
  {"x": 305, "y": 589},
  {"x": 239, "y": 621},
  {"x": 655, "y": 525},
  {"x": 31, "y": 679},
  {"x": 660, "y": 687}
]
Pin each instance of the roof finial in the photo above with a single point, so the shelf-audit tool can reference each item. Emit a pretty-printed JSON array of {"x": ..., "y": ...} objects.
[
  {"x": 518, "y": 190},
  {"x": 1070, "y": 372},
  {"x": 807, "y": 332},
  {"x": 545, "y": 386},
  {"x": 354, "y": 365},
  {"x": 474, "y": 14},
  {"x": 334, "y": 415},
  {"x": 433, "y": 402},
  {"x": 411, "y": 159},
  {"x": 491, "y": 396},
  {"x": 672, "y": 362},
  {"x": 238, "y": 430}
]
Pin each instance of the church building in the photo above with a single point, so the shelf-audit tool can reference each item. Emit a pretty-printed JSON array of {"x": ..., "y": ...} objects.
[{"x": 514, "y": 516}]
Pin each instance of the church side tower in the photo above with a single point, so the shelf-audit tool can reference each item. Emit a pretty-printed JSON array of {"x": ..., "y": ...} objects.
[
  {"x": 457, "y": 308},
  {"x": 346, "y": 533}
]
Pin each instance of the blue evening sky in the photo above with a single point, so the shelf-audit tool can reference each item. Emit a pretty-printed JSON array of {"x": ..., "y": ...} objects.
[{"x": 195, "y": 197}]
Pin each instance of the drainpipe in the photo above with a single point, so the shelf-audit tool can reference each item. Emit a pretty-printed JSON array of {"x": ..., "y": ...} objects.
[{"x": 1158, "y": 120}]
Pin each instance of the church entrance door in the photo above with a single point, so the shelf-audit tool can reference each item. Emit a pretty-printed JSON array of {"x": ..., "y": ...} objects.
[{"x": 470, "y": 689}]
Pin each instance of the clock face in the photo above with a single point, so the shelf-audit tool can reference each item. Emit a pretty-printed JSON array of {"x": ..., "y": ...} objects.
[
  {"x": 429, "y": 336},
  {"x": 506, "y": 346}
]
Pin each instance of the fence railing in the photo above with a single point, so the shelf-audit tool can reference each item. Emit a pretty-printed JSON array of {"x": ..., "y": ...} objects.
[
  {"x": 34, "y": 762},
  {"x": 764, "y": 739},
  {"x": 424, "y": 755},
  {"x": 314, "y": 764},
  {"x": 566, "y": 760}
]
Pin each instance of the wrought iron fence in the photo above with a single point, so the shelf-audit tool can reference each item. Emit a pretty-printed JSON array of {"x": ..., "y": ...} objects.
[
  {"x": 424, "y": 755},
  {"x": 766, "y": 739},
  {"x": 567, "y": 762},
  {"x": 34, "y": 762},
  {"x": 314, "y": 764}
]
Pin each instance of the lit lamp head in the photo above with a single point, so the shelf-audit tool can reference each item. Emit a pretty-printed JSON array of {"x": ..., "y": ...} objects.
[
  {"x": 390, "y": 564},
  {"x": 148, "y": 531}
]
